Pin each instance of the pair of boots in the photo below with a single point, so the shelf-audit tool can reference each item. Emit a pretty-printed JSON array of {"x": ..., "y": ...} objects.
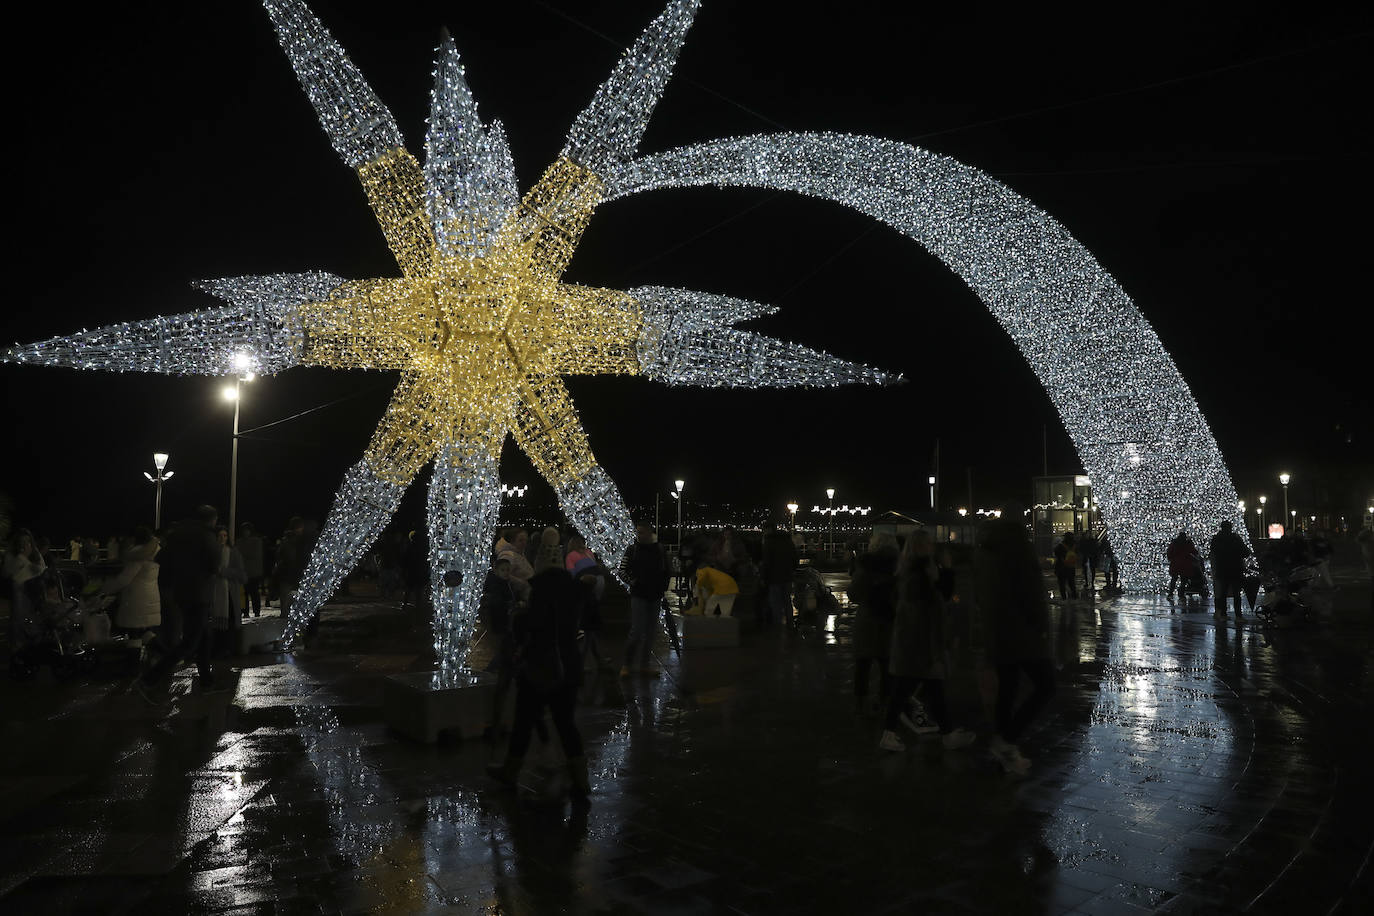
[{"x": 580, "y": 785}]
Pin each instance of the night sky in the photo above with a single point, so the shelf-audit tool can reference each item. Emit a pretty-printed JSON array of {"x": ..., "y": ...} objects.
[{"x": 1216, "y": 162}]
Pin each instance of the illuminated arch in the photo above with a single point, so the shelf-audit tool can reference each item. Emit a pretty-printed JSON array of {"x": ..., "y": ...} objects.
[{"x": 1154, "y": 463}]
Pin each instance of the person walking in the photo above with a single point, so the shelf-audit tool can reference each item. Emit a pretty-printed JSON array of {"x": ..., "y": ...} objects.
[
  {"x": 190, "y": 560},
  {"x": 548, "y": 669},
  {"x": 920, "y": 645},
  {"x": 502, "y": 598},
  {"x": 1227, "y": 553},
  {"x": 779, "y": 563},
  {"x": 874, "y": 588},
  {"x": 1066, "y": 566},
  {"x": 250, "y": 548},
  {"x": 1088, "y": 550},
  {"x": 1182, "y": 557},
  {"x": 226, "y": 598},
  {"x": 646, "y": 568},
  {"x": 290, "y": 565},
  {"x": 1009, "y": 593}
]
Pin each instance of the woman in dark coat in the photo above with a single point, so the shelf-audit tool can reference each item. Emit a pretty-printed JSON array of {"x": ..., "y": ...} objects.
[
  {"x": 1010, "y": 594},
  {"x": 874, "y": 589},
  {"x": 548, "y": 667},
  {"x": 919, "y": 648}
]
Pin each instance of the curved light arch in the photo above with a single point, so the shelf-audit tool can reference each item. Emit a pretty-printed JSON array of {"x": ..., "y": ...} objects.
[{"x": 1154, "y": 463}]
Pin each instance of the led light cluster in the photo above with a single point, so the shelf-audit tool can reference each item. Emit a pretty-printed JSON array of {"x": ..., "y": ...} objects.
[{"x": 482, "y": 328}]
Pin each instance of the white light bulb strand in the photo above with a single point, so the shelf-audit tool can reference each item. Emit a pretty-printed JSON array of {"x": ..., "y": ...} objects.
[
  {"x": 595, "y": 508},
  {"x": 1068, "y": 316}
]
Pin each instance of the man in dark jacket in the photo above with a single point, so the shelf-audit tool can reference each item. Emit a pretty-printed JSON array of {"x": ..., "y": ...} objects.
[
  {"x": 646, "y": 566},
  {"x": 779, "y": 562},
  {"x": 188, "y": 562},
  {"x": 1228, "y": 553}
]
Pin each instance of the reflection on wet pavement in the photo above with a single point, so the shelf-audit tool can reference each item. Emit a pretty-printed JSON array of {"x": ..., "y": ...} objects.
[{"x": 1188, "y": 763}]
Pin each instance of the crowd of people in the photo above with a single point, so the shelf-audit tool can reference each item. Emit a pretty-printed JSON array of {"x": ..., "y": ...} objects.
[{"x": 179, "y": 591}]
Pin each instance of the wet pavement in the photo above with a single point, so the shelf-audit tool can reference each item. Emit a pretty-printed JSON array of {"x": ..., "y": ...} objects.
[{"x": 1187, "y": 764}]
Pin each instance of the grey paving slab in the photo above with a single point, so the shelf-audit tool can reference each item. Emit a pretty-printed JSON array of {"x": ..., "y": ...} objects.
[{"x": 1188, "y": 764}]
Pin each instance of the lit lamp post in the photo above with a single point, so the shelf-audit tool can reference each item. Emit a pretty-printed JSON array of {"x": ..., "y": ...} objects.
[
  {"x": 932, "y": 492},
  {"x": 1263, "y": 533},
  {"x": 1241, "y": 506},
  {"x": 792, "y": 508},
  {"x": 1283, "y": 479},
  {"x": 159, "y": 462},
  {"x": 830, "y": 508},
  {"x": 677, "y": 487},
  {"x": 244, "y": 363}
]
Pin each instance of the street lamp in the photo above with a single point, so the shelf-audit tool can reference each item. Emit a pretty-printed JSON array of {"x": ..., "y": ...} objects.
[
  {"x": 1283, "y": 479},
  {"x": 159, "y": 462},
  {"x": 792, "y": 508},
  {"x": 932, "y": 492},
  {"x": 1260, "y": 510},
  {"x": 244, "y": 363},
  {"x": 830, "y": 508},
  {"x": 677, "y": 486}
]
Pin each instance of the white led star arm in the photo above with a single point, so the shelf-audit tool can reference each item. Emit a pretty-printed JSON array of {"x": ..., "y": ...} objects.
[
  {"x": 607, "y": 132},
  {"x": 260, "y": 332},
  {"x": 464, "y": 499},
  {"x": 359, "y": 126},
  {"x": 1153, "y": 461},
  {"x": 362, "y": 508},
  {"x": 469, "y": 180},
  {"x": 686, "y": 340}
]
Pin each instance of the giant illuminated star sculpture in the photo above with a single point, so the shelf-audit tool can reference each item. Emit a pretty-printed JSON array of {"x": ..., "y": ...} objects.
[{"x": 481, "y": 328}]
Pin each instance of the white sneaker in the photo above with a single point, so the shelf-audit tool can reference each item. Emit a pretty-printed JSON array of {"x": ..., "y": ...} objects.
[
  {"x": 918, "y": 723},
  {"x": 890, "y": 742},
  {"x": 959, "y": 738}
]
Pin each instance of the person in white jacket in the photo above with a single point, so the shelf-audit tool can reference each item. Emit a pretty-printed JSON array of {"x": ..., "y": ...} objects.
[{"x": 140, "y": 606}]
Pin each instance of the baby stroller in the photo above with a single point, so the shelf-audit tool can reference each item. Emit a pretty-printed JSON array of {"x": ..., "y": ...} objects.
[
  {"x": 1285, "y": 602},
  {"x": 52, "y": 635},
  {"x": 1193, "y": 580}
]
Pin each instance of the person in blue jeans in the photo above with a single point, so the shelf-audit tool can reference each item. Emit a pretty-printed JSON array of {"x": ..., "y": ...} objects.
[{"x": 646, "y": 566}]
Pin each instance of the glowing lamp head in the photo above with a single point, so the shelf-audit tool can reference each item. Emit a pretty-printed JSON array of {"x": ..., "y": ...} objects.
[
  {"x": 830, "y": 493},
  {"x": 1284, "y": 478},
  {"x": 792, "y": 507},
  {"x": 1263, "y": 500},
  {"x": 679, "y": 484},
  {"x": 229, "y": 393},
  {"x": 159, "y": 460},
  {"x": 243, "y": 362}
]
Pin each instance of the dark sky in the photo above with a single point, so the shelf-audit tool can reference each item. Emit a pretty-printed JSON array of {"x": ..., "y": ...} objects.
[{"x": 1215, "y": 161}]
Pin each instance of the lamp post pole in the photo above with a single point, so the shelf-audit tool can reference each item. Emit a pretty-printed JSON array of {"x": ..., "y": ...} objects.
[
  {"x": 234, "y": 465},
  {"x": 678, "y": 485},
  {"x": 159, "y": 462},
  {"x": 1283, "y": 479},
  {"x": 830, "y": 510},
  {"x": 244, "y": 364},
  {"x": 1263, "y": 534}
]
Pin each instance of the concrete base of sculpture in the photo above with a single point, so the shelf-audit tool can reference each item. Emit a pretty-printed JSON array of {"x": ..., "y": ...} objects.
[
  {"x": 255, "y": 634},
  {"x": 707, "y": 632},
  {"x": 412, "y": 706}
]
